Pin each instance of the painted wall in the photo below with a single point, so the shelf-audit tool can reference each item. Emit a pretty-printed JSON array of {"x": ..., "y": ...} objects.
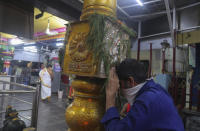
[
  {"x": 145, "y": 43},
  {"x": 181, "y": 59},
  {"x": 156, "y": 59},
  {"x": 181, "y": 55}
]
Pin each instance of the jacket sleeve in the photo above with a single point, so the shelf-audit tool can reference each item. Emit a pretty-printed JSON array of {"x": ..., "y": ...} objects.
[{"x": 135, "y": 120}]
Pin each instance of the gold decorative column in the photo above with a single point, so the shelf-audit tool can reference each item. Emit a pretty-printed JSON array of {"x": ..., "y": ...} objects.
[
  {"x": 85, "y": 113},
  {"x": 105, "y": 7}
]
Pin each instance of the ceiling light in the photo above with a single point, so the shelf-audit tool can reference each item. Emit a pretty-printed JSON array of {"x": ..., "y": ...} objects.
[
  {"x": 63, "y": 22},
  {"x": 16, "y": 41},
  {"x": 29, "y": 43},
  {"x": 48, "y": 32},
  {"x": 60, "y": 39},
  {"x": 139, "y": 2},
  {"x": 30, "y": 48},
  {"x": 59, "y": 44}
]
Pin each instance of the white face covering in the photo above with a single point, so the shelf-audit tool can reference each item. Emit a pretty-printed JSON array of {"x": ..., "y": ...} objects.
[{"x": 131, "y": 93}]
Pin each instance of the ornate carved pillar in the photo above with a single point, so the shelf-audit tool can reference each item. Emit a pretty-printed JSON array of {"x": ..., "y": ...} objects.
[{"x": 81, "y": 60}]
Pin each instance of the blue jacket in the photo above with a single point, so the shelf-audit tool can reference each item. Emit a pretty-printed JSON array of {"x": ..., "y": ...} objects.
[{"x": 153, "y": 110}]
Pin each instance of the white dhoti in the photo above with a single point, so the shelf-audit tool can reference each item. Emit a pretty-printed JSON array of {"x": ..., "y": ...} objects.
[
  {"x": 45, "y": 92},
  {"x": 46, "y": 84}
]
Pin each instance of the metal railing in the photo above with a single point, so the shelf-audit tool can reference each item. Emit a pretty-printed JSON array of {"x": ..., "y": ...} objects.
[{"x": 35, "y": 102}]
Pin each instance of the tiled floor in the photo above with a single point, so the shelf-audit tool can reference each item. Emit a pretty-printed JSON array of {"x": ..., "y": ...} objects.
[{"x": 51, "y": 115}]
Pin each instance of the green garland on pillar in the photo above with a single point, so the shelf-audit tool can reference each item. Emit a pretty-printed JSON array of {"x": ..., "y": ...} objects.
[{"x": 96, "y": 36}]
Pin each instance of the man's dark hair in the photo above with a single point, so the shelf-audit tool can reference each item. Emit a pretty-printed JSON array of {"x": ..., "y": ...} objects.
[
  {"x": 49, "y": 66},
  {"x": 131, "y": 67}
]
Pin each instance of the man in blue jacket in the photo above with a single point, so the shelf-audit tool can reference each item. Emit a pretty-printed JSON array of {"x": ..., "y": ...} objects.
[{"x": 152, "y": 108}]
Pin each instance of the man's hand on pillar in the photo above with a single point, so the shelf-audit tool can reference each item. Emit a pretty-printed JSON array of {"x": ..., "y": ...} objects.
[{"x": 112, "y": 88}]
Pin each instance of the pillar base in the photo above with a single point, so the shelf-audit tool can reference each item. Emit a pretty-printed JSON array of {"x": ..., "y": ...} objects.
[{"x": 85, "y": 113}]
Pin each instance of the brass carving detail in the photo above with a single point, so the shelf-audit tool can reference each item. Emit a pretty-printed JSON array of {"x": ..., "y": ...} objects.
[
  {"x": 78, "y": 59},
  {"x": 80, "y": 67},
  {"x": 77, "y": 47}
]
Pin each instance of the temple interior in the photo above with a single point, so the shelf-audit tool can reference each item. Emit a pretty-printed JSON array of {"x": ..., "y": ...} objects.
[{"x": 95, "y": 65}]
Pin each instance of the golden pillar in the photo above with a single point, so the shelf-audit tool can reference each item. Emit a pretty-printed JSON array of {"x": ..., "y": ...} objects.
[
  {"x": 104, "y": 7},
  {"x": 85, "y": 113}
]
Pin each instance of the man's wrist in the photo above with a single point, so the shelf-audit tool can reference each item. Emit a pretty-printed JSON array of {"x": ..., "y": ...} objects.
[
  {"x": 109, "y": 105},
  {"x": 110, "y": 102}
]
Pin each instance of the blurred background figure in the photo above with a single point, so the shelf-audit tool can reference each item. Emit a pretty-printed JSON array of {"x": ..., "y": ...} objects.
[
  {"x": 26, "y": 74},
  {"x": 7, "y": 68},
  {"x": 46, "y": 76}
]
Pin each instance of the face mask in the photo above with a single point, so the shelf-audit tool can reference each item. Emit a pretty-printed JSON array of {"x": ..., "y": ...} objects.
[{"x": 131, "y": 93}]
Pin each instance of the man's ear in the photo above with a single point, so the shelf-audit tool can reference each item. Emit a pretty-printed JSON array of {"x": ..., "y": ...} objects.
[{"x": 131, "y": 81}]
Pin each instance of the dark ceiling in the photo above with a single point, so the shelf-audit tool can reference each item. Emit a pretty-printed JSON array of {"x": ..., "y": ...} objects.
[
  {"x": 135, "y": 12},
  {"x": 181, "y": 3},
  {"x": 127, "y": 10}
]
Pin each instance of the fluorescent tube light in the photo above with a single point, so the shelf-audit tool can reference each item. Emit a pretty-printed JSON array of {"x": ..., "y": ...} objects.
[
  {"x": 16, "y": 41},
  {"x": 30, "y": 48},
  {"x": 139, "y": 2},
  {"x": 59, "y": 44},
  {"x": 60, "y": 39}
]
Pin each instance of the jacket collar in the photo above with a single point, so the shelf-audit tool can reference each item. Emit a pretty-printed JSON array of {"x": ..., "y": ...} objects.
[
  {"x": 146, "y": 86},
  {"x": 151, "y": 84}
]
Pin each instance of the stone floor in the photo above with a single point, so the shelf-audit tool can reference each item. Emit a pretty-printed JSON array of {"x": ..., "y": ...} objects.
[{"x": 51, "y": 115}]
